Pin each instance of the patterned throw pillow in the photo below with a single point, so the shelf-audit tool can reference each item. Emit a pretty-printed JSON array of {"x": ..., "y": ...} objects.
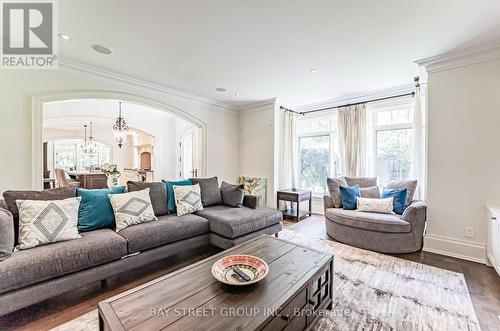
[
  {"x": 375, "y": 205},
  {"x": 132, "y": 208},
  {"x": 43, "y": 222},
  {"x": 187, "y": 199}
]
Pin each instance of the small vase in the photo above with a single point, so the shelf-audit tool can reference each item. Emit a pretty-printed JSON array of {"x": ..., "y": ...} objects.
[{"x": 112, "y": 181}]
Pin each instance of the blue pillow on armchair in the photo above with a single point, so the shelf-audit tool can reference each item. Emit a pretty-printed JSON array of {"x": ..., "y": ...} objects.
[
  {"x": 399, "y": 195},
  {"x": 349, "y": 195}
]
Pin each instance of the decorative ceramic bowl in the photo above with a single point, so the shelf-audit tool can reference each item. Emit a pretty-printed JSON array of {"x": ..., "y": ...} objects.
[{"x": 240, "y": 269}]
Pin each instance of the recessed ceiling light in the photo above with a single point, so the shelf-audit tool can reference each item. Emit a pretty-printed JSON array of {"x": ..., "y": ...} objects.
[
  {"x": 64, "y": 36},
  {"x": 101, "y": 49},
  {"x": 221, "y": 89},
  {"x": 236, "y": 95},
  {"x": 313, "y": 70}
]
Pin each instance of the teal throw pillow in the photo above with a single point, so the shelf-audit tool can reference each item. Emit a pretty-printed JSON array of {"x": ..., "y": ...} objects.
[
  {"x": 172, "y": 209},
  {"x": 349, "y": 196},
  {"x": 399, "y": 196},
  {"x": 95, "y": 210}
]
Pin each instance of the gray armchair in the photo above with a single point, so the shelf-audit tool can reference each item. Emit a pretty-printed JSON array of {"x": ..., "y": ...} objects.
[{"x": 384, "y": 233}]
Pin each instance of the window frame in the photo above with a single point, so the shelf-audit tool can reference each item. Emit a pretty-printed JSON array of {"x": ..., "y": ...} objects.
[
  {"x": 331, "y": 145},
  {"x": 374, "y": 109}
]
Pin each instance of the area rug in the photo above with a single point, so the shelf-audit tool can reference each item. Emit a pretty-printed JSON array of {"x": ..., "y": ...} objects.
[{"x": 376, "y": 292}]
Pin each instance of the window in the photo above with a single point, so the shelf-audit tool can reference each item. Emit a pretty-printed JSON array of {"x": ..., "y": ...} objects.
[
  {"x": 314, "y": 162},
  {"x": 65, "y": 154},
  {"x": 318, "y": 152},
  {"x": 389, "y": 147},
  {"x": 69, "y": 156},
  {"x": 393, "y": 154},
  {"x": 391, "y": 134}
]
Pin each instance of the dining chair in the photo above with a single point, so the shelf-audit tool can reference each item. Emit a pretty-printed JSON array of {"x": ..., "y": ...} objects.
[{"x": 62, "y": 180}]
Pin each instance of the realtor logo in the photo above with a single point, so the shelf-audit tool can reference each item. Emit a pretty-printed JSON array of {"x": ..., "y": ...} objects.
[{"x": 28, "y": 35}]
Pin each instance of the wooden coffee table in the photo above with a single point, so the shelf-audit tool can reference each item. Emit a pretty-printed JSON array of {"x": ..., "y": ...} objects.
[{"x": 296, "y": 290}]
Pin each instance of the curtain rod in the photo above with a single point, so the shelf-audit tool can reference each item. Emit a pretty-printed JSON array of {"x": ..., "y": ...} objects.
[{"x": 417, "y": 84}]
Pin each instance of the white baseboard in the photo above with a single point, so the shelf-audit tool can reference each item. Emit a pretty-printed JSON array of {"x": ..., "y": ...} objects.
[
  {"x": 490, "y": 262},
  {"x": 460, "y": 249}
]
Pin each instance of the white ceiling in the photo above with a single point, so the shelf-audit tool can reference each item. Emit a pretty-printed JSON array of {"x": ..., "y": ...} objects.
[{"x": 261, "y": 49}]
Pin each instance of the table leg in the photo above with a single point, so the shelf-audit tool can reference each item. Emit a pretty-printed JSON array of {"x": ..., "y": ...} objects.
[
  {"x": 298, "y": 210},
  {"x": 101, "y": 323},
  {"x": 310, "y": 206}
]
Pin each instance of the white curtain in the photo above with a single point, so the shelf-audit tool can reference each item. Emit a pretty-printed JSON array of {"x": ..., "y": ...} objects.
[
  {"x": 353, "y": 140},
  {"x": 418, "y": 155},
  {"x": 288, "y": 152}
]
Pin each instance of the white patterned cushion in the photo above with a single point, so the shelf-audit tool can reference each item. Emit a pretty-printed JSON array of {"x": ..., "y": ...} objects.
[
  {"x": 43, "y": 222},
  {"x": 375, "y": 205},
  {"x": 187, "y": 199},
  {"x": 132, "y": 208}
]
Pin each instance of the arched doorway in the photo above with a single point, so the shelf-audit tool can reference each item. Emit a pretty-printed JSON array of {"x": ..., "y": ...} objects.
[{"x": 39, "y": 102}]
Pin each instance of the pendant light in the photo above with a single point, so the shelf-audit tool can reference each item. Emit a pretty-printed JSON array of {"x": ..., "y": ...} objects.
[
  {"x": 91, "y": 144},
  {"x": 84, "y": 143},
  {"x": 120, "y": 128}
]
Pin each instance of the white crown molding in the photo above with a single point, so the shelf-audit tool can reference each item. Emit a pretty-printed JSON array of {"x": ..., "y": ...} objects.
[
  {"x": 461, "y": 57},
  {"x": 356, "y": 97},
  {"x": 257, "y": 106},
  {"x": 81, "y": 69}
]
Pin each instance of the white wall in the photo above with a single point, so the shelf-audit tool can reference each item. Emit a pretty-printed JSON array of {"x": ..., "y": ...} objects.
[
  {"x": 17, "y": 87},
  {"x": 257, "y": 146},
  {"x": 463, "y": 156}
]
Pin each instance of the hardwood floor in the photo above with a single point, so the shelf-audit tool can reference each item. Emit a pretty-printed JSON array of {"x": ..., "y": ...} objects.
[{"x": 483, "y": 284}]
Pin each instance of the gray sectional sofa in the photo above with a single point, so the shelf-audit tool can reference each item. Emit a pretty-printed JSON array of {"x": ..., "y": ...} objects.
[
  {"x": 384, "y": 233},
  {"x": 33, "y": 275}
]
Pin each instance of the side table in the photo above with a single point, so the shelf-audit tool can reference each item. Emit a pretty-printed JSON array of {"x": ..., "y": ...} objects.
[{"x": 295, "y": 196}]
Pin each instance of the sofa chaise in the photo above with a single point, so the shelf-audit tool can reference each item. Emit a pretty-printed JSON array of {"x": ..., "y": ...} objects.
[{"x": 33, "y": 275}]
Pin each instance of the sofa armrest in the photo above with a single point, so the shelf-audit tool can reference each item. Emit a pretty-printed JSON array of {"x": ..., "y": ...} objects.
[
  {"x": 6, "y": 234},
  {"x": 327, "y": 202},
  {"x": 416, "y": 212},
  {"x": 251, "y": 201}
]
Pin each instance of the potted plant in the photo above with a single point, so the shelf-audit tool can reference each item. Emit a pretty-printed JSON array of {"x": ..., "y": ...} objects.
[{"x": 112, "y": 172}]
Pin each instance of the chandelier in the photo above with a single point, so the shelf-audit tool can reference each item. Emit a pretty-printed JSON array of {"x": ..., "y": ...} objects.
[{"x": 120, "y": 128}]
